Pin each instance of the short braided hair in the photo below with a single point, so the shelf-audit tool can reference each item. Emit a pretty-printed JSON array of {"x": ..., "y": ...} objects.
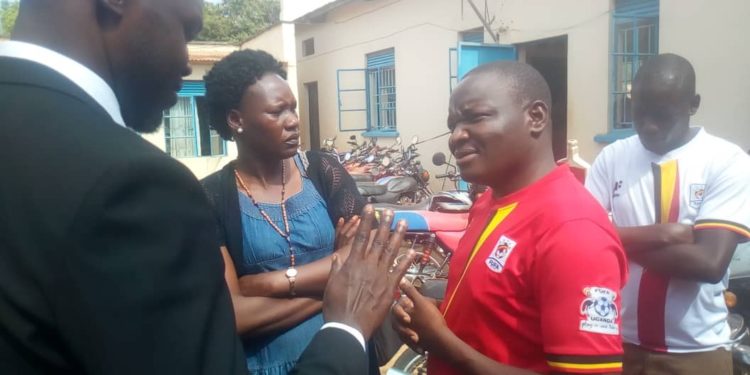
[{"x": 228, "y": 80}]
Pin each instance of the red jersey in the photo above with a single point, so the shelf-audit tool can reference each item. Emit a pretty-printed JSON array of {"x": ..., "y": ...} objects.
[{"x": 535, "y": 282}]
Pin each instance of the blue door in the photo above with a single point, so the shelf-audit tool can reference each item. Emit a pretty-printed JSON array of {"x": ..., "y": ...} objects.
[{"x": 471, "y": 55}]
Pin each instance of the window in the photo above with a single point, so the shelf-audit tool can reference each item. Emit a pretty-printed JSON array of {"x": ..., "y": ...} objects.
[
  {"x": 308, "y": 47},
  {"x": 367, "y": 96},
  {"x": 635, "y": 38},
  {"x": 381, "y": 91},
  {"x": 186, "y": 130},
  {"x": 473, "y": 36}
]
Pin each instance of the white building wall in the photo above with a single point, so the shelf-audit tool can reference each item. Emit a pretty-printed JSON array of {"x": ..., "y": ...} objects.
[
  {"x": 713, "y": 36},
  {"x": 710, "y": 34},
  {"x": 422, "y": 31},
  {"x": 279, "y": 42}
]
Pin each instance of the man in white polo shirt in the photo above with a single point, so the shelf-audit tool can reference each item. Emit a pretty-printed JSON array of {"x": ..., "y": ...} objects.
[{"x": 680, "y": 198}]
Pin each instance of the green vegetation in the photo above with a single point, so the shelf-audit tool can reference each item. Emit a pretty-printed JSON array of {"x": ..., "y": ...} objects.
[
  {"x": 8, "y": 14},
  {"x": 235, "y": 21}
]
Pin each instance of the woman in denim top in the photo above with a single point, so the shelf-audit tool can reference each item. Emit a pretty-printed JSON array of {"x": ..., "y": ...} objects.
[{"x": 250, "y": 102}]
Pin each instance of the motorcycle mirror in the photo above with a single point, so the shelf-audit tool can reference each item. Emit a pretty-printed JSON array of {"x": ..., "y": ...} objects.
[
  {"x": 398, "y": 141},
  {"x": 348, "y": 156},
  {"x": 415, "y": 139},
  {"x": 386, "y": 161},
  {"x": 438, "y": 159},
  {"x": 328, "y": 142},
  {"x": 353, "y": 137}
]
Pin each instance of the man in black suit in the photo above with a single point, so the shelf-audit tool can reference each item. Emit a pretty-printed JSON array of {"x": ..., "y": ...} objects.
[{"x": 108, "y": 261}]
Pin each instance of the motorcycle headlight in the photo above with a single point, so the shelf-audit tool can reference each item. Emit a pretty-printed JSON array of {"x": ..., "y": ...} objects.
[
  {"x": 730, "y": 299},
  {"x": 425, "y": 175}
]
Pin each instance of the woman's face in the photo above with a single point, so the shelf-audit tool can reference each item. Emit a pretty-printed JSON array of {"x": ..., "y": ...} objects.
[{"x": 268, "y": 116}]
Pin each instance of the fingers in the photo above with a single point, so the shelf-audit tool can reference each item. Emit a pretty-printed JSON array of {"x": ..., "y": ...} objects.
[
  {"x": 410, "y": 291},
  {"x": 335, "y": 265},
  {"x": 398, "y": 272},
  {"x": 381, "y": 236},
  {"x": 350, "y": 228},
  {"x": 394, "y": 244},
  {"x": 407, "y": 335},
  {"x": 339, "y": 225},
  {"x": 400, "y": 314},
  {"x": 400, "y": 325},
  {"x": 362, "y": 236},
  {"x": 337, "y": 239}
]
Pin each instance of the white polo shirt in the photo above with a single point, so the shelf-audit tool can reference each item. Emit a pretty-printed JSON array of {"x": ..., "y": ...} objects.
[{"x": 706, "y": 184}]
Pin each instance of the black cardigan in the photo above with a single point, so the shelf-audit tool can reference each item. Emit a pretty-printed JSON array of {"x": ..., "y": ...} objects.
[{"x": 329, "y": 177}]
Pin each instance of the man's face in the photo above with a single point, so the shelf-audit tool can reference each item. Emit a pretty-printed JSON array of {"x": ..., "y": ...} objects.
[
  {"x": 148, "y": 57},
  {"x": 661, "y": 115},
  {"x": 487, "y": 128}
]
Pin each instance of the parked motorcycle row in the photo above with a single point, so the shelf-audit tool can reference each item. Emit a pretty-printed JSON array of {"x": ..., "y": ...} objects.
[{"x": 389, "y": 175}]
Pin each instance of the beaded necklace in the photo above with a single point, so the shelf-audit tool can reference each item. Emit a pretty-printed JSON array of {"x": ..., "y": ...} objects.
[{"x": 291, "y": 272}]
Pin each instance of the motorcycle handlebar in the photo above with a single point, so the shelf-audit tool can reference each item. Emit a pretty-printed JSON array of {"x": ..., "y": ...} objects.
[{"x": 447, "y": 175}]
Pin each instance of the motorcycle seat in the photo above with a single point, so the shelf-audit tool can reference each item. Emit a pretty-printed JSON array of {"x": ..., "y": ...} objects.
[
  {"x": 371, "y": 189},
  {"x": 452, "y": 207},
  {"x": 424, "y": 205}
]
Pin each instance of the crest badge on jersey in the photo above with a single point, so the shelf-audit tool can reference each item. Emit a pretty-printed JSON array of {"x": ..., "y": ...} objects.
[
  {"x": 696, "y": 195},
  {"x": 500, "y": 253},
  {"x": 599, "y": 311}
]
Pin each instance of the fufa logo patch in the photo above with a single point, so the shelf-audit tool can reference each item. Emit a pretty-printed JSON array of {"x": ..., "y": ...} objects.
[
  {"x": 499, "y": 254},
  {"x": 696, "y": 195},
  {"x": 599, "y": 311}
]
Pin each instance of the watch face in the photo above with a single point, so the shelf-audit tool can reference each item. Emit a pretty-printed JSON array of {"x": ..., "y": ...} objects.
[{"x": 291, "y": 272}]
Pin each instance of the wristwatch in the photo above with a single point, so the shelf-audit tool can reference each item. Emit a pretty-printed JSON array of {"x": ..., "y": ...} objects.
[{"x": 291, "y": 275}]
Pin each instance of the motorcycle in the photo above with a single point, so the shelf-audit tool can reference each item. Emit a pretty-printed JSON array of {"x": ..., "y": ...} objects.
[
  {"x": 434, "y": 237},
  {"x": 405, "y": 181},
  {"x": 458, "y": 200}
]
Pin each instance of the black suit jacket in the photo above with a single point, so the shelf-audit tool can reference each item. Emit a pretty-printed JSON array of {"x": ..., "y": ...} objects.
[
  {"x": 333, "y": 351},
  {"x": 109, "y": 260}
]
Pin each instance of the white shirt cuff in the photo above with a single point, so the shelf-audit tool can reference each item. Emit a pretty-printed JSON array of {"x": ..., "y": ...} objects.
[{"x": 352, "y": 331}]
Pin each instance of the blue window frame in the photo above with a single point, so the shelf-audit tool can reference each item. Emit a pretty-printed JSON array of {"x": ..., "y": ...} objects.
[
  {"x": 381, "y": 92},
  {"x": 186, "y": 130},
  {"x": 367, "y": 97},
  {"x": 635, "y": 38}
]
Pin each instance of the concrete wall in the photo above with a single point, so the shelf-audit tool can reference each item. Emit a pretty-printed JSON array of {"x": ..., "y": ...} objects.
[
  {"x": 421, "y": 33},
  {"x": 713, "y": 36},
  {"x": 279, "y": 42},
  {"x": 710, "y": 34},
  {"x": 200, "y": 166},
  {"x": 586, "y": 23}
]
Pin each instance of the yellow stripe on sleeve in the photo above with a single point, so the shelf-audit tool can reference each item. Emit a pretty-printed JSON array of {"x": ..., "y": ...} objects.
[{"x": 586, "y": 366}]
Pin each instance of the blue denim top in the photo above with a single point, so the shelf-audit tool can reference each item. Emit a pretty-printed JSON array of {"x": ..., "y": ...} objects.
[{"x": 312, "y": 235}]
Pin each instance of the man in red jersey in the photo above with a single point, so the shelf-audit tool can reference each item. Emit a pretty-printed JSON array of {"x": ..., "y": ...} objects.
[{"x": 534, "y": 286}]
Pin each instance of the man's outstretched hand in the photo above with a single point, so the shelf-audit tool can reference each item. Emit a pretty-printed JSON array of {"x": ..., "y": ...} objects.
[{"x": 360, "y": 289}]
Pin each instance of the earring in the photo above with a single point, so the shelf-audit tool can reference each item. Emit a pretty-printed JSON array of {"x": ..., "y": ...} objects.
[{"x": 239, "y": 130}]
